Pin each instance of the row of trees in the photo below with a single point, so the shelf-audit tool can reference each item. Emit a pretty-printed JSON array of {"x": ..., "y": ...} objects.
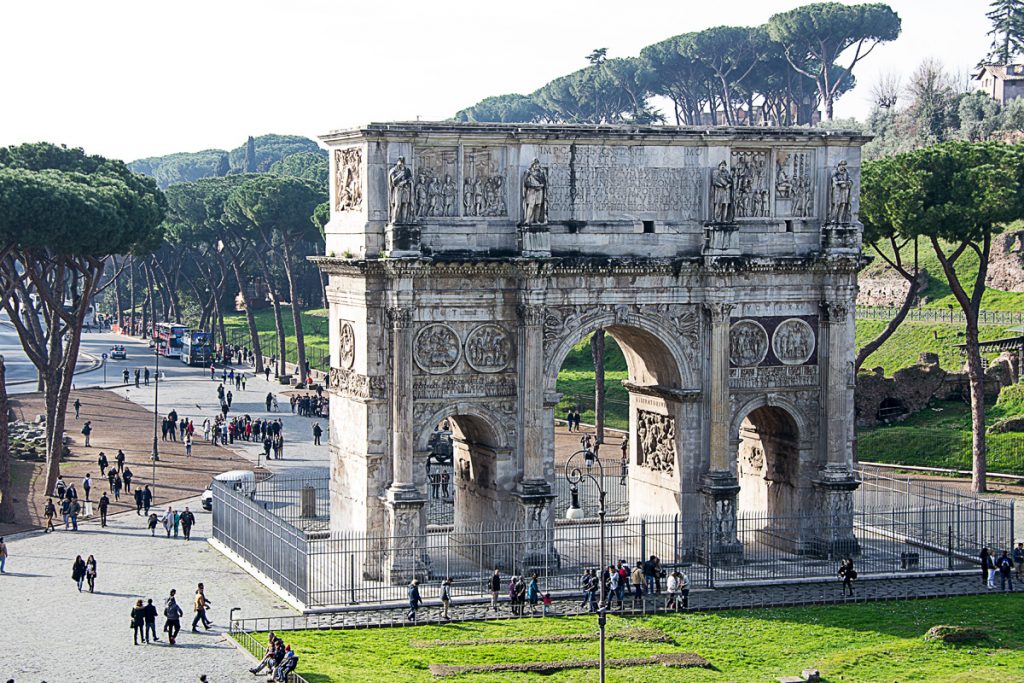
[
  {"x": 63, "y": 214},
  {"x": 778, "y": 73}
]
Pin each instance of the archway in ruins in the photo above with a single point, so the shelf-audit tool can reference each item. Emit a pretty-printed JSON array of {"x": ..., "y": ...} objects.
[
  {"x": 481, "y": 477},
  {"x": 664, "y": 455},
  {"x": 768, "y": 462}
]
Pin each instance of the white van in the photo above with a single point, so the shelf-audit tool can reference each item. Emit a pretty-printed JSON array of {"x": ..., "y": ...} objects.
[{"x": 240, "y": 480}]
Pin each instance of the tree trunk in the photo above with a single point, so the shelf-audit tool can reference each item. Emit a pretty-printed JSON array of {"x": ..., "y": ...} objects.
[
  {"x": 916, "y": 285},
  {"x": 250, "y": 319},
  {"x": 275, "y": 302},
  {"x": 131, "y": 295},
  {"x": 117, "y": 295},
  {"x": 300, "y": 341},
  {"x": 597, "y": 353},
  {"x": 6, "y": 501}
]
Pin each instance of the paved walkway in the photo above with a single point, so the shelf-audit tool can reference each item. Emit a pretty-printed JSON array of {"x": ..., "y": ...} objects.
[{"x": 51, "y": 632}]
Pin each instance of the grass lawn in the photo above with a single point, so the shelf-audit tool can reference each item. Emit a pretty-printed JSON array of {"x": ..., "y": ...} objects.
[
  {"x": 314, "y": 329},
  {"x": 911, "y": 339},
  {"x": 873, "y": 642}
]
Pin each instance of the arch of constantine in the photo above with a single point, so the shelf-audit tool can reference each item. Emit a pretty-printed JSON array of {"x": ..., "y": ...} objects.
[{"x": 466, "y": 260}]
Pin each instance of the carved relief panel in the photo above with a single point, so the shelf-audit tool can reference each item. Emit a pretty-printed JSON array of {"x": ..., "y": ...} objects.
[
  {"x": 346, "y": 345},
  {"x": 750, "y": 170},
  {"x": 484, "y": 187},
  {"x": 437, "y": 349},
  {"x": 748, "y": 343},
  {"x": 348, "y": 187},
  {"x": 786, "y": 344},
  {"x": 656, "y": 441},
  {"x": 793, "y": 342},
  {"x": 435, "y": 193},
  {"x": 794, "y": 183},
  {"x": 488, "y": 349}
]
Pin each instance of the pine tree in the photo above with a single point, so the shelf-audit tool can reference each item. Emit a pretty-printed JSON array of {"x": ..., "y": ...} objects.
[
  {"x": 223, "y": 166},
  {"x": 1007, "y": 17}
]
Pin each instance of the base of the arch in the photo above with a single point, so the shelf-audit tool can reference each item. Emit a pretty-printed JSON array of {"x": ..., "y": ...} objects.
[
  {"x": 720, "y": 544},
  {"x": 537, "y": 522},
  {"x": 835, "y": 535},
  {"x": 408, "y": 558}
]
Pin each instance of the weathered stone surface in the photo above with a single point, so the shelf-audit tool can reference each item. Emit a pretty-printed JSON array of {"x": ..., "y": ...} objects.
[{"x": 722, "y": 261}]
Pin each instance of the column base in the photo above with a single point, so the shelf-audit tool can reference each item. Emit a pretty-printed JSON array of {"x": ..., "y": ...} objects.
[
  {"x": 720, "y": 544},
  {"x": 537, "y": 551},
  {"x": 834, "y": 536},
  {"x": 407, "y": 557}
]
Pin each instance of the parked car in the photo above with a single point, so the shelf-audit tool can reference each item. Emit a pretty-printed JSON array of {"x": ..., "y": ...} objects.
[
  {"x": 118, "y": 353},
  {"x": 241, "y": 480}
]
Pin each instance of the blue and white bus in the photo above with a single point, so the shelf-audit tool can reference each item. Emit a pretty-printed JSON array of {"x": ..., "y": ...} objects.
[{"x": 196, "y": 349}]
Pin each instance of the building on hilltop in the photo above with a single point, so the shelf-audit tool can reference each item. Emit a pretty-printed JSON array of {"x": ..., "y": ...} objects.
[{"x": 1001, "y": 82}]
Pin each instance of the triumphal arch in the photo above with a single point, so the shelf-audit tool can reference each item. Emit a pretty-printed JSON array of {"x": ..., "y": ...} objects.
[{"x": 466, "y": 260}]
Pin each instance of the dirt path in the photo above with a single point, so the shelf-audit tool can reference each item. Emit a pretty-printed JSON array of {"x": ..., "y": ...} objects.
[{"x": 117, "y": 423}]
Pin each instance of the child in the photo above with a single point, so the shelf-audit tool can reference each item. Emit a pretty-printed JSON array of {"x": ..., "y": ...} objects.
[
  {"x": 152, "y": 524},
  {"x": 547, "y": 603}
]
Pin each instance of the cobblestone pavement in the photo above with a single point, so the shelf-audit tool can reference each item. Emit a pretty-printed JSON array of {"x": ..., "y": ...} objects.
[{"x": 51, "y": 632}]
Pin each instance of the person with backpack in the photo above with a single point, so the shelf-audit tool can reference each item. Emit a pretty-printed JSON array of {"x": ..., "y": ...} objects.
[
  {"x": 446, "y": 598},
  {"x": 172, "y": 614},
  {"x": 87, "y": 431},
  {"x": 1005, "y": 566},
  {"x": 61, "y": 488},
  {"x": 847, "y": 573},
  {"x": 414, "y": 599},
  {"x": 636, "y": 579}
]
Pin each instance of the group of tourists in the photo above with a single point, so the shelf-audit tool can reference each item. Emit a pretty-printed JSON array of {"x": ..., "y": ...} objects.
[
  {"x": 1004, "y": 567},
  {"x": 279, "y": 659},
  {"x": 309, "y": 405},
  {"x": 143, "y": 617},
  {"x": 172, "y": 520},
  {"x": 572, "y": 419}
]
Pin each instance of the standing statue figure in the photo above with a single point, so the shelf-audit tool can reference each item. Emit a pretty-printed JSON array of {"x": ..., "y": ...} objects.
[
  {"x": 842, "y": 189},
  {"x": 448, "y": 192},
  {"x": 434, "y": 207},
  {"x": 535, "y": 185},
  {"x": 721, "y": 194},
  {"x": 400, "y": 188},
  {"x": 467, "y": 197},
  {"x": 420, "y": 194}
]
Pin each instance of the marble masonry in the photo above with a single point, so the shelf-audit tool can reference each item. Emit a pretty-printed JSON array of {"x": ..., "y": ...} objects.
[{"x": 465, "y": 261}]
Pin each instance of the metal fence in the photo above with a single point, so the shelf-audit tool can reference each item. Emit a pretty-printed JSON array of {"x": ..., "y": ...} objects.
[
  {"x": 899, "y": 526},
  {"x": 441, "y": 499},
  {"x": 937, "y": 315},
  {"x": 319, "y": 359}
]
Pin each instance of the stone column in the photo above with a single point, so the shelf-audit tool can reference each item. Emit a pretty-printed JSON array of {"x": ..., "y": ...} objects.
[
  {"x": 835, "y": 482},
  {"x": 720, "y": 487},
  {"x": 534, "y": 492},
  {"x": 408, "y": 558}
]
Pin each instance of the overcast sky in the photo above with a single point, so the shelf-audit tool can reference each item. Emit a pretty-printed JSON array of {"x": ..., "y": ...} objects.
[{"x": 146, "y": 77}]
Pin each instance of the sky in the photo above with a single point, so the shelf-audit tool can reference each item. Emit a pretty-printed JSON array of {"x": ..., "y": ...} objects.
[{"x": 130, "y": 79}]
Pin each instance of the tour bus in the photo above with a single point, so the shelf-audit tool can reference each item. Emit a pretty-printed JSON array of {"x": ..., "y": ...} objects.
[
  {"x": 195, "y": 349},
  {"x": 168, "y": 339}
]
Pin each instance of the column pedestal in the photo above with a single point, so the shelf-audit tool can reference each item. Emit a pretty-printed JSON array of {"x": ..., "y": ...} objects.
[
  {"x": 720, "y": 544},
  {"x": 536, "y": 550},
  {"x": 407, "y": 559},
  {"x": 834, "y": 537}
]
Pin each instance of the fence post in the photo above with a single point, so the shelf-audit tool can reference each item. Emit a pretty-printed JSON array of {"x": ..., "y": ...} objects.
[
  {"x": 711, "y": 560},
  {"x": 643, "y": 538},
  {"x": 950, "y": 542}
]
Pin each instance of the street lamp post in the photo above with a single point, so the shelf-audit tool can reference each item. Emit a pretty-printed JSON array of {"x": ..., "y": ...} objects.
[
  {"x": 574, "y": 475},
  {"x": 156, "y": 412}
]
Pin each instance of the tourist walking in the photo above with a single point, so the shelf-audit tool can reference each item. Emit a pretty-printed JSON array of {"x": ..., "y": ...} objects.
[
  {"x": 495, "y": 585},
  {"x": 49, "y": 512},
  {"x": 1018, "y": 559},
  {"x": 168, "y": 520},
  {"x": 147, "y": 499},
  {"x": 188, "y": 520},
  {"x": 533, "y": 593},
  {"x": 115, "y": 486},
  {"x": 87, "y": 431},
  {"x": 119, "y": 459},
  {"x": 102, "y": 462},
  {"x": 74, "y": 509},
  {"x": 3, "y": 556},
  {"x": 78, "y": 407},
  {"x": 138, "y": 501},
  {"x": 151, "y": 523},
  {"x": 636, "y": 579},
  {"x": 127, "y": 476},
  {"x": 149, "y": 613},
  {"x": 1005, "y": 566},
  {"x": 138, "y": 622},
  {"x": 78, "y": 572},
  {"x": 414, "y": 599},
  {"x": 188, "y": 445},
  {"x": 847, "y": 573},
  {"x": 988, "y": 569},
  {"x": 104, "y": 504},
  {"x": 317, "y": 431},
  {"x": 172, "y": 614},
  {"x": 446, "y": 597},
  {"x": 201, "y": 605},
  {"x": 90, "y": 573},
  {"x": 87, "y": 485}
]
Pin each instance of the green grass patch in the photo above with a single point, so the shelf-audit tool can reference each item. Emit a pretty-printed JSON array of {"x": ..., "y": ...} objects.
[
  {"x": 576, "y": 383},
  {"x": 911, "y": 339},
  {"x": 940, "y": 436},
  {"x": 864, "y": 642},
  {"x": 314, "y": 329}
]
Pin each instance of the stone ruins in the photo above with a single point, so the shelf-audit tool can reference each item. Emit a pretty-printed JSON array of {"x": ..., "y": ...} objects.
[{"x": 465, "y": 261}]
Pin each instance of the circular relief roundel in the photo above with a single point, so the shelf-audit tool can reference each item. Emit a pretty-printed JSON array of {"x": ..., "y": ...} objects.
[
  {"x": 488, "y": 348},
  {"x": 748, "y": 343},
  {"x": 793, "y": 341},
  {"x": 346, "y": 346},
  {"x": 437, "y": 348}
]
